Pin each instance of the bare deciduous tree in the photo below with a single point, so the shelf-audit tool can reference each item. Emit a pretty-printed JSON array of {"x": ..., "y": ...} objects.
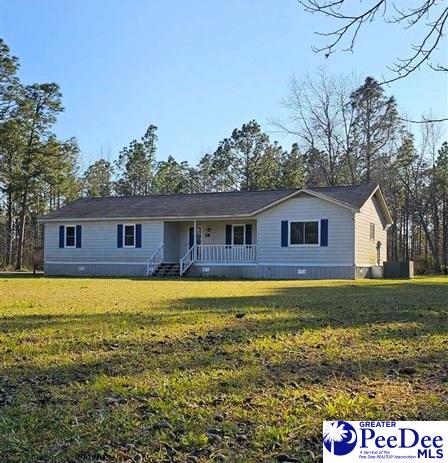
[
  {"x": 431, "y": 14},
  {"x": 322, "y": 118}
]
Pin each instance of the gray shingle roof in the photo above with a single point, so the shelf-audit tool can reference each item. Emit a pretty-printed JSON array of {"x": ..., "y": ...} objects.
[
  {"x": 240, "y": 203},
  {"x": 354, "y": 196}
]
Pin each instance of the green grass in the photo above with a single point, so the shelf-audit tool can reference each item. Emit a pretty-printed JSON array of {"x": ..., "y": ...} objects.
[{"x": 118, "y": 370}]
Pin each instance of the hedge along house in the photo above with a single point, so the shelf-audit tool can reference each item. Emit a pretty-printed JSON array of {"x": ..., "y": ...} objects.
[{"x": 322, "y": 232}]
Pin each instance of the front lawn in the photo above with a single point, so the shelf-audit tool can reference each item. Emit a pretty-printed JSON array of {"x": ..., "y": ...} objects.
[{"x": 117, "y": 370}]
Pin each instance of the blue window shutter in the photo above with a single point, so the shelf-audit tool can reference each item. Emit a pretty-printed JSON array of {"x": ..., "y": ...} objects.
[
  {"x": 138, "y": 235},
  {"x": 248, "y": 233},
  {"x": 119, "y": 235},
  {"x": 61, "y": 236},
  {"x": 78, "y": 236},
  {"x": 284, "y": 233},
  {"x": 324, "y": 232},
  {"x": 228, "y": 234}
]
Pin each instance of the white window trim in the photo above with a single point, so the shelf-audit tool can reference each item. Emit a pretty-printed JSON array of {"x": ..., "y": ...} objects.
[
  {"x": 304, "y": 245},
  {"x": 124, "y": 235},
  {"x": 65, "y": 237},
  {"x": 370, "y": 231},
  {"x": 244, "y": 233}
]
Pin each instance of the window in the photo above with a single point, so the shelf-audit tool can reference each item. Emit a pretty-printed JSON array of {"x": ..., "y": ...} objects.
[
  {"x": 238, "y": 237},
  {"x": 129, "y": 236},
  {"x": 70, "y": 236},
  {"x": 301, "y": 233},
  {"x": 372, "y": 232}
]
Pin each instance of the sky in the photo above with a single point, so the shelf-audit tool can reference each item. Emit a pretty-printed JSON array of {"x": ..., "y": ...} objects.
[{"x": 197, "y": 69}]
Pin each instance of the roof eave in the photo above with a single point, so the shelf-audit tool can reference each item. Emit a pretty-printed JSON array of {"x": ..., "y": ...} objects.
[{"x": 187, "y": 217}]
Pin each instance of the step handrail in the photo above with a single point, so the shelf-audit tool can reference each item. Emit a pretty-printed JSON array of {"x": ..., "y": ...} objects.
[
  {"x": 155, "y": 260},
  {"x": 187, "y": 261}
]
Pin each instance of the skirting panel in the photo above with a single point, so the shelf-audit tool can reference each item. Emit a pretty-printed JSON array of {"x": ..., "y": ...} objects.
[
  {"x": 224, "y": 271},
  {"x": 274, "y": 272},
  {"x": 305, "y": 272},
  {"x": 91, "y": 269}
]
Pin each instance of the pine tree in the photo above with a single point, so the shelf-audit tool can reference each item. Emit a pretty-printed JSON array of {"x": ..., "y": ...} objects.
[
  {"x": 38, "y": 108},
  {"x": 247, "y": 160},
  {"x": 136, "y": 165},
  {"x": 375, "y": 123},
  {"x": 97, "y": 179},
  {"x": 293, "y": 169},
  {"x": 173, "y": 177}
]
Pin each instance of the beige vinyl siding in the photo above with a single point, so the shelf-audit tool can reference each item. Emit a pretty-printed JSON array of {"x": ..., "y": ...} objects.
[
  {"x": 340, "y": 249},
  {"x": 99, "y": 243},
  {"x": 365, "y": 248}
]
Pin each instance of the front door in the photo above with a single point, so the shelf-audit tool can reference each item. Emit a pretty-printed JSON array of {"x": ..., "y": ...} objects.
[{"x": 191, "y": 236}]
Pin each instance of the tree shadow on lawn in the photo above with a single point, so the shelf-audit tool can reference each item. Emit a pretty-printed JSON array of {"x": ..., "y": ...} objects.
[
  {"x": 122, "y": 320},
  {"x": 217, "y": 379},
  {"x": 221, "y": 370},
  {"x": 390, "y": 312},
  {"x": 250, "y": 340},
  {"x": 405, "y": 312},
  {"x": 205, "y": 369},
  {"x": 249, "y": 366}
]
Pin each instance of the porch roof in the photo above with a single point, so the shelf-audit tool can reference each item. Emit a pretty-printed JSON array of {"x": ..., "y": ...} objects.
[{"x": 200, "y": 205}]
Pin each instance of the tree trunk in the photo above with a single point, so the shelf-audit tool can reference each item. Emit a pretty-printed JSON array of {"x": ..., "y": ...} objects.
[
  {"x": 21, "y": 231},
  {"x": 9, "y": 220},
  {"x": 436, "y": 228},
  {"x": 445, "y": 232}
]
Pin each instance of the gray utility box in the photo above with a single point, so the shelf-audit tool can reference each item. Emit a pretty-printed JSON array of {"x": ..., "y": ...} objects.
[
  {"x": 376, "y": 272},
  {"x": 399, "y": 269}
]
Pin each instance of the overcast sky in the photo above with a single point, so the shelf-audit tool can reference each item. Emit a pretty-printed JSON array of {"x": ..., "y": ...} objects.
[{"x": 196, "y": 69}]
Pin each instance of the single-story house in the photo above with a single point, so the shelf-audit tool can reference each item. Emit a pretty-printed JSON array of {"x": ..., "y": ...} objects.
[{"x": 316, "y": 232}]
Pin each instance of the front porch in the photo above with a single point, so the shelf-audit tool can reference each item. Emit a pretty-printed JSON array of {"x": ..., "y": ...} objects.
[{"x": 204, "y": 242}]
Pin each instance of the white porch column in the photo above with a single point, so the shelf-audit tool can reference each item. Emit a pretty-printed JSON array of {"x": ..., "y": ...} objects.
[{"x": 195, "y": 252}]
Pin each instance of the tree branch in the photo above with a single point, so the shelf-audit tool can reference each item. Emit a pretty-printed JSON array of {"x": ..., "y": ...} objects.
[{"x": 352, "y": 24}]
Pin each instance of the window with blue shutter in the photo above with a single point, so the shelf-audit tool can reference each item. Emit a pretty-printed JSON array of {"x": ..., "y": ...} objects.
[
  {"x": 248, "y": 233},
  {"x": 324, "y": 232},
  {"x": 284, "y": 233},
  {"x": 78, "y": 236},
  {"x": 138, "y": 235},
  {"x": 70, "y": 236},
  {"x": 119, "y": 235},
  {"x": 304, "y": 233},
  {"x": 61, "y": 236}
]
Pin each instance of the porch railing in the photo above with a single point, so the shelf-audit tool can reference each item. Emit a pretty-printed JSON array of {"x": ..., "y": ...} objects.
[
  {"x": 154, "y": 261},
  {"x": 187, "y": 260},
  {"x": 221, "y": 253}
]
